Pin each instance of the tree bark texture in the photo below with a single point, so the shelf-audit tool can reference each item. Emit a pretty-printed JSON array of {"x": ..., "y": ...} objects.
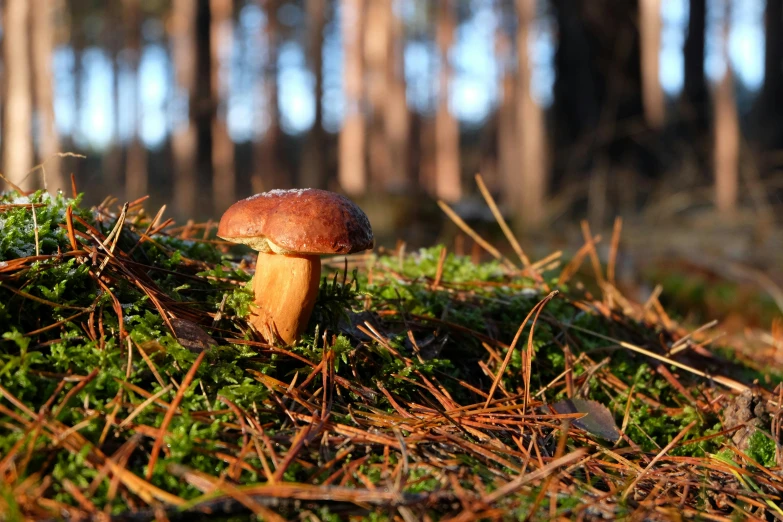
[
  {"x": 183, "y": 141},
  {"x": 221, "y": 45},
  {"x": 532, "y": 178},
  {"x": 17, "y": 128},
  {"x": 352, "y": 175},
  {"x": 448, "y": 183}
]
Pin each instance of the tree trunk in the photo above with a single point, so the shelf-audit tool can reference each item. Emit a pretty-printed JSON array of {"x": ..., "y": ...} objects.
[
  {"x": 42, "y": 32},
  {"x": 397, "y": 116},
  {"x": 267, "y": 172},
  {"x": 183, "y": 141},
  {"x": 17, "y": 131},
  {"x": 531, "y": 188},
  {"x": 448, "y": 185},
  {"x": 201, "y": 107},
  {"x": 376, "y": 56},
  {"x": 223, "y": 168},
  {"x": 726, "y": 146},
  {"x": 650, "y": 45},
  {"x": 351, "y": 174},
  {"x": 113, "y": 38},
  {"x": 507, "y": 162},
  {"x": 136, "y": 182},
  {"x": 313, "y": 169},
  {"x": 695, "y": 93},
  {"x": 768, "y": 110}
]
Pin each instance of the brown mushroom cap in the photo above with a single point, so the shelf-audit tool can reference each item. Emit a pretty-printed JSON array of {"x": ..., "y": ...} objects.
[{"x": 298, "y": 221}]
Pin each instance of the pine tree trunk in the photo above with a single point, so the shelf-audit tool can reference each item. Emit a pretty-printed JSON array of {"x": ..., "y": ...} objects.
[
  {"x": 726, "y": 146},
  {"x": 221, "y": 45},
  {"x": 267, "y": 172},
  {"x": 351, "y": 173},
  {"x": 42, "y": 33},
  {"x": 136, "y": 182},
  {"x": 768, "y": 108},
  {"x": 111, "y": 163},
  {"x": 376, "y": 48},
  {"x": 183, "y": 141},
  {"x": 17, "y": 129},
  {"x": 448, "y": 185},
  {"x": 202, "y": 109},
  {"x": 650, "y": 45},
  {"x": 397, "y": 116},
  {"x": 695, "y": 93},
  {"x": 508, "y": 158},
  {"x": 531, "y": 185},
  {"x": 313, "y": 172}
]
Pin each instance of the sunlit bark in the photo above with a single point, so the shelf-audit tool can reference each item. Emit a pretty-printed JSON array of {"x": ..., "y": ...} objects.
[
  {"x": 507, "y": 155},
  {"x": 221, "y": 45},
  {"x": 111, "y": 162},
  {"x": 17, "y": 129},
  {"x": 313, "y": 168},
  {"x": 726, "y": 146},
  {"x": 267, "y": 172},
  {"x": 531, "y": 187},
  {"x": 183, "y": 142},
  {"x": 650, "y": 45},
  {"x": 376, "y": 55},
  {"x": 397, "y": 114},
  {"x": 351, "y": 173},
  {"x": 136, "y": 182},
  {"x": 49, "y": 138},
  {"x": 448, "y": 186}
]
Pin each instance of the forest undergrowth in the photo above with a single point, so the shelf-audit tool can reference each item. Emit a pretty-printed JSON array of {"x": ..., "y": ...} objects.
[{"x": 426, "y": 387}]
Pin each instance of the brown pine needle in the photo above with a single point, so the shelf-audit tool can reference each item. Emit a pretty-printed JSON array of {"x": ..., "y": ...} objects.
[
  {"x": 11, "y": 184},
  {"x": 141, "y": 407},
  {"x": 504, "y": 226},
  {"x": 586, "y": 234},
  {"x": 658, "y": 457},
  {"x": 474, "y": 235},
  {"x": 528, "y": 353},
  {"x": 170, "y": 413},
  {"x": 439, "y": 271},
  {"x": 513, "y": 345},
  {"x": 725, "y": 381},
  {"x": 539, "y": 474},
  {"x": 69, "y": 225},
  {"x": 572, "y": 267},
  {"x": 613, "y": 249}
]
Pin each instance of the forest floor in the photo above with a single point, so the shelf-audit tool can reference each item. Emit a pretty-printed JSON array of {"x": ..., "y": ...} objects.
[{"x": 427, "y": 387}]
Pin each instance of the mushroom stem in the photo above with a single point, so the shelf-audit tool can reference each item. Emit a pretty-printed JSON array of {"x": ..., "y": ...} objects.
[{"x": 285, "y": 288}]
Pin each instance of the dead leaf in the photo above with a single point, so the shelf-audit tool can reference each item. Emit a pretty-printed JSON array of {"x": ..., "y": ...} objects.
[{"x": 598, "y": 420}]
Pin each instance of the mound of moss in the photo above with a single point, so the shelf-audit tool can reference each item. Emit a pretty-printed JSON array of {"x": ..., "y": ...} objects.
[{"x": 132, "y": 385}]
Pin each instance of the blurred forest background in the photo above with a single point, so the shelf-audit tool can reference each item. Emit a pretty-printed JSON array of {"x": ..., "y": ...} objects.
[{"x": 662, "y": 111}]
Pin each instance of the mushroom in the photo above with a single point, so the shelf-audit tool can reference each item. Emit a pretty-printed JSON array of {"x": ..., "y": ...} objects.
[{"x": 290, "y": 229}]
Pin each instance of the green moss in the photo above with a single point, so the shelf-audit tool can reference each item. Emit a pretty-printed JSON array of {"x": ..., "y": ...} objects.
[
  {"x": 431, "y": 343},
  {"x": 761, "y": 448}
]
